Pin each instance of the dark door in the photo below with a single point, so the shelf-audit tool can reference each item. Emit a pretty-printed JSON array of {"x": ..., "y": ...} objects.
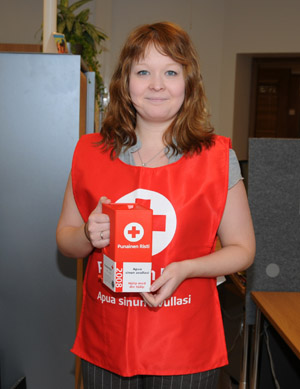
[{"x": 276, "y": 106}]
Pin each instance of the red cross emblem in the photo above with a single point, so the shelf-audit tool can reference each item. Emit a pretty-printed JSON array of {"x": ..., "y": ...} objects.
[{"x": 134, "y": 232}]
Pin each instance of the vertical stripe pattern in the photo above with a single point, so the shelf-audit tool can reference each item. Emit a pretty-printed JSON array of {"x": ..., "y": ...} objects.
[{"x": 95, "y": 377}]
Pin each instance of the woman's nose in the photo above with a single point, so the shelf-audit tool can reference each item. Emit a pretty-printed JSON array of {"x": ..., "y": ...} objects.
[{"x": 156, "y": 82}]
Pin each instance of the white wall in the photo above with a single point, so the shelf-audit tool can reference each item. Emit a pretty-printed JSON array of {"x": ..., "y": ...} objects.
[{"x": 220, "y": 29}]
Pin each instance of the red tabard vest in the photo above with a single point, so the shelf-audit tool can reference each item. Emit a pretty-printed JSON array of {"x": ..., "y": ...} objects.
[{"x": 117, "y": 331}]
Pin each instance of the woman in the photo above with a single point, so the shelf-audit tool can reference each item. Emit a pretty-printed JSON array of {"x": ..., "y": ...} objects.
[{"x": 157, "y": 145}]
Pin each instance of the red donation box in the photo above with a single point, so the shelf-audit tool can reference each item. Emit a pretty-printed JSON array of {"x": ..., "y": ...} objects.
[{"x": 127, "y": 260}]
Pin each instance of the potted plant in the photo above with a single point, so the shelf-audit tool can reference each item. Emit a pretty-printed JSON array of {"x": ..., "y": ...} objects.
[{"x": 84, "y": 38}]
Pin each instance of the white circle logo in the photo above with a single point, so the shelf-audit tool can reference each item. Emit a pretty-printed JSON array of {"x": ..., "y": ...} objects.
[
  {"x": 164, "y": 216},
  {"x": 133, "y": 232}
]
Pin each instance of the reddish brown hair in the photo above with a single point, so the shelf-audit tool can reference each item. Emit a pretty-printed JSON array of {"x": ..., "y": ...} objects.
[{"x": 191, "y": 129}]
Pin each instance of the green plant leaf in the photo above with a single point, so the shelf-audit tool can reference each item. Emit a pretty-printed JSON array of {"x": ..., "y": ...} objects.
[
  {"x": 78, "y": 4},
  {"x": 61, "y": 26},
  {"x": 83, "y": 16},
  {"x": 64, "y": 3},
  {"x": 78, "y": 30},
  {"x": 70, "y": 23},
  {"x": 63, "y": 9}
]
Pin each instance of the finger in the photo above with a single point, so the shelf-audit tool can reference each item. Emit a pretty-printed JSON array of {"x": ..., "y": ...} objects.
[
  {"x": 157, "y": 284},
  {"x": 102, "y": 200},
  {"x": 154, "y": 300},
  {"x": 104, "y": 234},
  {"x": 164, "y": 292},
  {"x": 98, "y": 219},
  {"x": 99, "y": 205},
  {"x": 99, "y": 231},
  {"x": 101, "y": 243},
  {"x": 101, "y": 239},
  {"x": 148, "y": 298}
]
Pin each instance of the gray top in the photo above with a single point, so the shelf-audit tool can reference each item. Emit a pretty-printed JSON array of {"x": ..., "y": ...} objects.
[{"x": 234, "y": 166}]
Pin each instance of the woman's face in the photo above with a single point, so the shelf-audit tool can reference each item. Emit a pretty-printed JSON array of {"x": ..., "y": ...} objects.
[{"x": 156, "y": 87}]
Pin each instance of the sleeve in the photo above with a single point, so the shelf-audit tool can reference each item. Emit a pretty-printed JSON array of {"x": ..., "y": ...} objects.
[{"x": 235, "y": 174}]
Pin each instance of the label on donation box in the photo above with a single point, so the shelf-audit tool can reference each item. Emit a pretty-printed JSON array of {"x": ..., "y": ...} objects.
[{"x": 127, "y": 259}]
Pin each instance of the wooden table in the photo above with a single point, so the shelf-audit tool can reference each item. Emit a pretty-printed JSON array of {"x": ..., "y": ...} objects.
[{"x": 282, "y": 309}]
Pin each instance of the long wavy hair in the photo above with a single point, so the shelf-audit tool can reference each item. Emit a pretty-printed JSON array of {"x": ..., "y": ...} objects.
[{"x": 191, "y": 129}]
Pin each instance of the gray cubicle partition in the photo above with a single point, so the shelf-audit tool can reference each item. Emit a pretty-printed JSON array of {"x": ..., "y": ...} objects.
[
  {"x": 39, "y": 127},
  {"x": 274, "y": 198}
]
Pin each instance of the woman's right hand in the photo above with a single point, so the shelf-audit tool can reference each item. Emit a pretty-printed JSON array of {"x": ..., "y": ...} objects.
[
  {"x": 97, "y": 228},
  {"x": 76, "y": 239}
]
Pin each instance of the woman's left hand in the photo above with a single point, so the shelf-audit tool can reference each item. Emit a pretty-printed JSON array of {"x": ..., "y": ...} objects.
[{"x": 163, "y": 288}]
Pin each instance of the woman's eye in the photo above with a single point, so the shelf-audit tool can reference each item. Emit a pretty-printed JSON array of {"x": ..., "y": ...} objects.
[
  {"x": 171, "y": 73},
  {"x": 142, "y": 73}
]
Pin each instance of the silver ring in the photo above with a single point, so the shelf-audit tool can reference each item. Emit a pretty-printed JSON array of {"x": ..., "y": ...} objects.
[{"x": 101, "y": 235}]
